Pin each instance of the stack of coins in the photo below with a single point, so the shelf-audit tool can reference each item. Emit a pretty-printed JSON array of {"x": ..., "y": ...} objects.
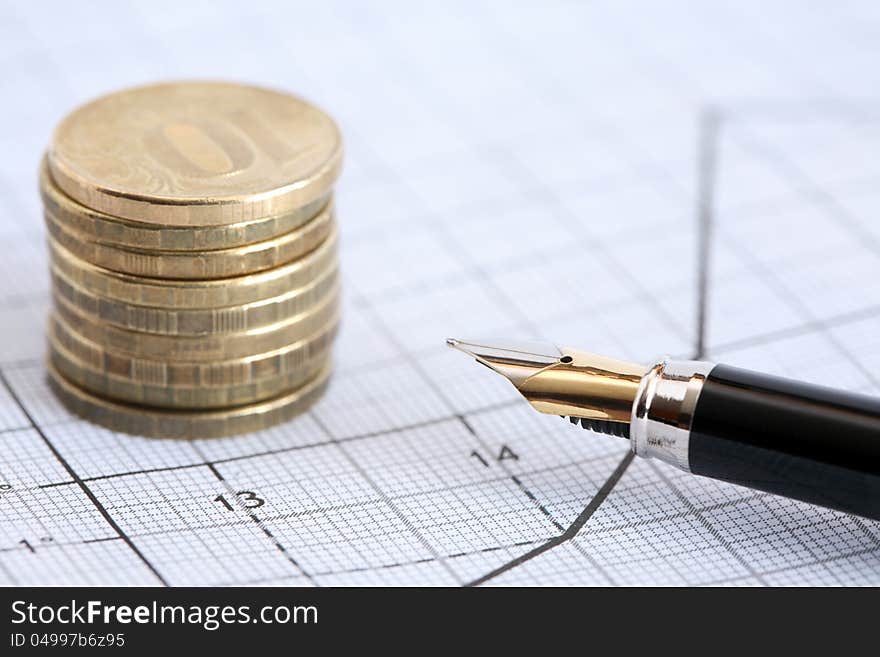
[{"x": 193, "y": 258}]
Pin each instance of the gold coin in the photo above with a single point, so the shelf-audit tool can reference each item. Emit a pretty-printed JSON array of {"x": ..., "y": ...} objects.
[
  {"x": 102, "y": 228},
  {"x": 200, "y": 347},
  {"x": 197, "y": 321},
  {"x": 193, "y": 374},
  {"x": 209, "y": 294},
  {"x": 159, "y": 423},
  {"x": 196, "y": 154},
  {"x": 222, "y": 263},
  {"x": 123, "y": 389}
]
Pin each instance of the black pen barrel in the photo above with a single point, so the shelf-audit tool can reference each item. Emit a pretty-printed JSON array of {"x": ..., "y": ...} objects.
[{"x": 803, "y": 441}]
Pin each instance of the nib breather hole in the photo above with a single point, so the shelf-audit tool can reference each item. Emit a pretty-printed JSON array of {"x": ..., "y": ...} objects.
[{"x": 566, "y": 359}]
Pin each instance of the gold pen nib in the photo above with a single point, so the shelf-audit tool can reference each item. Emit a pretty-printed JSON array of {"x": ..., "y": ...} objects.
[
  {"x": 561, "y": 380},
  {"x": 514, "y": 360}
]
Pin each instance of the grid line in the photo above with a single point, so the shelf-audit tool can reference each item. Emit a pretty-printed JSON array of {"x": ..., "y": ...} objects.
[{"x": 485, "y": 193}]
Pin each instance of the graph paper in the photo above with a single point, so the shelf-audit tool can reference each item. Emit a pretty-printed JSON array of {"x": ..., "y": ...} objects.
[{"x": 710, "y": 172}]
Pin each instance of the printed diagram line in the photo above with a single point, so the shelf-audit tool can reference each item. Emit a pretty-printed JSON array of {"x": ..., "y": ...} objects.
[
  {"x": 276, "y": 543},
  {"x": 82, "y": 485},
  {"x": 710, "y": 130},
  {"x": 709, "y": 133},
  {"x": 573, "y": 528}
]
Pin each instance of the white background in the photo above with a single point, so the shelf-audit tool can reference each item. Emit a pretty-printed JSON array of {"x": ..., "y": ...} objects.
[{"x": 512, "y": 169}]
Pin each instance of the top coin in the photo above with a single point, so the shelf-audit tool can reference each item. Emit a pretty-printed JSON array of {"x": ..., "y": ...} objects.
[{"x": 196, "y": 153}]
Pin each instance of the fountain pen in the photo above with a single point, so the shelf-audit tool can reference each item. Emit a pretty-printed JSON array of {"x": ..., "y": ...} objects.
[{"x": 803, "y": 441}]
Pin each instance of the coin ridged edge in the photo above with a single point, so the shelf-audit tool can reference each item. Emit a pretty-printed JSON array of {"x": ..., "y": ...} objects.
[
  {"x": 209, "y": 208},
  {"x": 196, "y": 321},
  {"x": 212, "y": 293},
  {"x": 200, "y": 347},
  {"x": 196, "y": 212},
  {"x": 116, "y": 231},
  {"x": 219, "y": 263},
  {"x": 151, "y": 422},
  {"x": 181, "y": 374},
  {"x": 129, "y": 391}
]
